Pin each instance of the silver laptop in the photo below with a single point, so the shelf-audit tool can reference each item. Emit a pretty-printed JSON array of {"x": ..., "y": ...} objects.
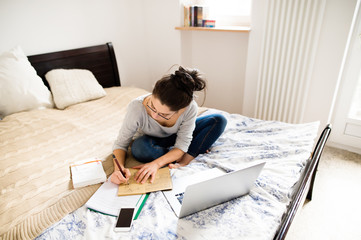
[{"x": 208, "y": 188}]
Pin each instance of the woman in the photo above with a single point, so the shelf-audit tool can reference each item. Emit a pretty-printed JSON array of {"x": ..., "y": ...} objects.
[{"x": 171, "y": 133}]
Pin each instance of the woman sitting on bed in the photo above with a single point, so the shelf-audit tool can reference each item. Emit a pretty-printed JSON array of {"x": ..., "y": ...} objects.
[{"x": 169, "y": 127}]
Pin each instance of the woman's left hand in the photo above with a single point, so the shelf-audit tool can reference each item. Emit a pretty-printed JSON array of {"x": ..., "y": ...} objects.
[{"x": 145, "y": 171}]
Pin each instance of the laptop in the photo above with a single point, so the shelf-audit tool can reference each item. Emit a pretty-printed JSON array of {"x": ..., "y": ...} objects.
[{"x": 211, "y": 187}]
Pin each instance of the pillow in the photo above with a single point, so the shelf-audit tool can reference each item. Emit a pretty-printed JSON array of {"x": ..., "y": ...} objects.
[
  {"x": 71, "y": 86},
  {"x": 21, "y": 88}
]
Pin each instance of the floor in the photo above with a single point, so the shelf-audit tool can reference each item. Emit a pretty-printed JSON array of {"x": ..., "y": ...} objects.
[{"x": 335, "y": 210}]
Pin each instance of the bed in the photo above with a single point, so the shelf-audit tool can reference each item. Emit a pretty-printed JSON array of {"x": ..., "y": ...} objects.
[{"x": 37, "y": 146}]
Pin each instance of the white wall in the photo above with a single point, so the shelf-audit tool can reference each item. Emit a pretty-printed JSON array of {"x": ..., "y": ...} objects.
[
  {"x": 222, "y": 58},
  {"x": 162, "y": 41},
  {"x": 40, "y": 26}
]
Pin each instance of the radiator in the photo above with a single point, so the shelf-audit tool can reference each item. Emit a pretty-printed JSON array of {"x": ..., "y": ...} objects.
[{"x": 290, "y": 39}]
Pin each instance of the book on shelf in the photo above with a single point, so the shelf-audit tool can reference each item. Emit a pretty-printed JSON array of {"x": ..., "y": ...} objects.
[
  {"x": 196, "y": 16},
  {"x": 186, "y": 16}
]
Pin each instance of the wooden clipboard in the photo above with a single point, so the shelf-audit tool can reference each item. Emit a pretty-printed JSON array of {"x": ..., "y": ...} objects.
[{"x": 162, "y": 181}]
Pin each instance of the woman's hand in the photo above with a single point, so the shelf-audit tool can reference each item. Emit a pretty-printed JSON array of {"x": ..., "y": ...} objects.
[
  {"x": 117, "y": 176},
  {"x": 145, "y": 171}
]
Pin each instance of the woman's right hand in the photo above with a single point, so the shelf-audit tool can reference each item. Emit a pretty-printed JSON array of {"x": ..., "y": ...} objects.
[{"x": 117, "y": 176}]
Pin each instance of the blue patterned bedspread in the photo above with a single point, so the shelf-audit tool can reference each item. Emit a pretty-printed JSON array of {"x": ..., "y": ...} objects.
[{"x": 285, "y": 148}]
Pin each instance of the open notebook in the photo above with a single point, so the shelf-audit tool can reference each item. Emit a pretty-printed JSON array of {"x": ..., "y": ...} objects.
[{"x": 106, "y": 200}]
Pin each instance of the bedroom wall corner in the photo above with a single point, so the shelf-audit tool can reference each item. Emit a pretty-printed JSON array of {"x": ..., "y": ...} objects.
[
  {"x": 221, "y": 56},
  {"x": 253, "y": 57}
]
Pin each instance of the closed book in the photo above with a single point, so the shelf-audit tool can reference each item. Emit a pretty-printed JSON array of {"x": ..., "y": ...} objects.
[
  {"x": 186, "y": 16},
  {"x": 87, "y": 172},
  {"x": 192, "y": 16},
  {"x": 199, "y": 16},
  {"x": 196, "y": 16}
]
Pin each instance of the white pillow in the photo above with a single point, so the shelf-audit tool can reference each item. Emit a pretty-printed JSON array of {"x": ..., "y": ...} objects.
[
  {"x": 71, "y": 86},
  {"x": 21, "y": 88}
]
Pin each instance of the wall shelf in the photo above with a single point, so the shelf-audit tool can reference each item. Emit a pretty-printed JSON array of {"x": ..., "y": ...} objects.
[{"x": 217, "y": 29}]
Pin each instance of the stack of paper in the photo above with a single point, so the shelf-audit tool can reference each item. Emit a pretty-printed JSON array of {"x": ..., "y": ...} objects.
[
  {"x": 87, "y": 172},
  {"x": 105, "y": 200}
]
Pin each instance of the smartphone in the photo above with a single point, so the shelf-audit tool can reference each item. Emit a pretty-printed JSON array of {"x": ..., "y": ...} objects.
[{"x": 125, "y": 219}]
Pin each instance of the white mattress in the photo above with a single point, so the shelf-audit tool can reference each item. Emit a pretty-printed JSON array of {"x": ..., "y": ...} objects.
[{"x": 286, "y": 149}]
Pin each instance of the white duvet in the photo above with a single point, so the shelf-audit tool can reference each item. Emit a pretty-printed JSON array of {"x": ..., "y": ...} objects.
[{"x": 285, "y": 148}]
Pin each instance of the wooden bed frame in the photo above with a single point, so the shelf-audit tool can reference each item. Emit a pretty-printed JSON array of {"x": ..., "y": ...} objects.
[{"x": 102, "y": 62}]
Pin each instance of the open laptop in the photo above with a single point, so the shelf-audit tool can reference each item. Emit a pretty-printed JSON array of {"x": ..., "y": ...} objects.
[{"x": 208, "y": 188}]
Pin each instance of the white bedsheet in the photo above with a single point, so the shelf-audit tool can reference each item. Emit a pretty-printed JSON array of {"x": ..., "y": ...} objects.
[{"x": 285, "y": 148}]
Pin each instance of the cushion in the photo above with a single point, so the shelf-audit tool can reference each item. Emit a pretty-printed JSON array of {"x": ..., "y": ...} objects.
[
  {"x": 21, "y": 88},
  {"x": 72, "y": 86}
]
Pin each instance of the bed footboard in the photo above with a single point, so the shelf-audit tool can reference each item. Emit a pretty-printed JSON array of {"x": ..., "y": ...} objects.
[{"x": 305, "y": 187}]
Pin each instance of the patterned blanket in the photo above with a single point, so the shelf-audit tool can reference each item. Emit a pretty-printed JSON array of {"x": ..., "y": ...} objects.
[{"x": 285, "y": 147}]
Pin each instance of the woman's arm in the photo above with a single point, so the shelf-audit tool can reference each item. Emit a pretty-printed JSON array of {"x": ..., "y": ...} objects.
[
  {"x": 117, "y": 177},
  {"x": 132, "y": 121}
]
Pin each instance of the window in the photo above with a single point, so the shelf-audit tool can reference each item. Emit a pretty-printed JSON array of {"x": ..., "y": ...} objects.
[{"x": 230, "y": 12}]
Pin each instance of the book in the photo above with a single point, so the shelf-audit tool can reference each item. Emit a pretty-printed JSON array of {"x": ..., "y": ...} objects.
[
  {"x": 209, "y": 23},
  {"x": 105, "y": 200},
  {"x": 199, "y": 19},
  {"x": 87, "y": 172},
  {"x": 195, "y": 16},
  {"x": 186, "y": 16},
  {"x": 162, "y": 181}
]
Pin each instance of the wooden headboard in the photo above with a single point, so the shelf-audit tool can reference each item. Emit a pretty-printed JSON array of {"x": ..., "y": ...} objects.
[{"x": 100, "y": 60}]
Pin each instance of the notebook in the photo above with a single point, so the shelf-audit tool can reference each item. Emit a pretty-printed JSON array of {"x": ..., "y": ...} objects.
[
  {"x": 162, "y": 181},
  {"x": 106, "y": 200},
  {"x": 208, "y": 188}
]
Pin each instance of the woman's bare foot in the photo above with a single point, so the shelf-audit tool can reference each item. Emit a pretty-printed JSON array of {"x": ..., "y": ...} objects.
[{"x": 185, "y": 160}]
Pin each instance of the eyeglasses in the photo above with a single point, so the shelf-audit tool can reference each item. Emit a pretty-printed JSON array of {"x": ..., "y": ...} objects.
[{"x": 162, "y": 115}]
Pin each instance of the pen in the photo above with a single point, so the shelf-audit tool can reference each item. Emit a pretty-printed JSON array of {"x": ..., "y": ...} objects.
[{"x": 120, "y": 169}]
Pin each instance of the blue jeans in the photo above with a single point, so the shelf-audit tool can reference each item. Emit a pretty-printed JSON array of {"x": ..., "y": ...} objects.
[{"x": 208, "y": 129}]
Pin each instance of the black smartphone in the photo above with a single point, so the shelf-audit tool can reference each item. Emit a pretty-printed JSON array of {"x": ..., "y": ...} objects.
[{"x": 125, "y": 219}]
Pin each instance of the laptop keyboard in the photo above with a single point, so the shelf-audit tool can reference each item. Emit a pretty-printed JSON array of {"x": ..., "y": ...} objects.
[{"x": 180, "y": 197}]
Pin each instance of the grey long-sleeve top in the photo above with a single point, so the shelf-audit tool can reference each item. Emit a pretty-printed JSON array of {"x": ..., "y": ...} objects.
[{"x": 138, "y": 122}]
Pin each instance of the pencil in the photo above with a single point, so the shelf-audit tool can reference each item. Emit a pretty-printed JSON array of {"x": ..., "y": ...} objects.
[{"x": 120, "y": 169}]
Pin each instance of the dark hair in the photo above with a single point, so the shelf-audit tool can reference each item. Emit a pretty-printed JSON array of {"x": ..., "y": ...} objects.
[{"x": 176, "y": 90}]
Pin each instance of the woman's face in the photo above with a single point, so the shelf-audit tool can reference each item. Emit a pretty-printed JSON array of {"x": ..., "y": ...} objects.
[{"x": 159, "y": 111}]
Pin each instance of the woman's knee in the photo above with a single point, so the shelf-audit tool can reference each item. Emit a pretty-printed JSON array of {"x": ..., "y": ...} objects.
[
  {"x": 139, "y": 149},
  {"x": 220, "y": 121},
  {"x": 144, "y": 149}
]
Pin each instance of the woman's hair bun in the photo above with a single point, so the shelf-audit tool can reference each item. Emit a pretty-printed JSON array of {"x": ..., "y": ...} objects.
[
  {"x": 176, "y": 90},
  {"x": 189, "y": 79}
]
